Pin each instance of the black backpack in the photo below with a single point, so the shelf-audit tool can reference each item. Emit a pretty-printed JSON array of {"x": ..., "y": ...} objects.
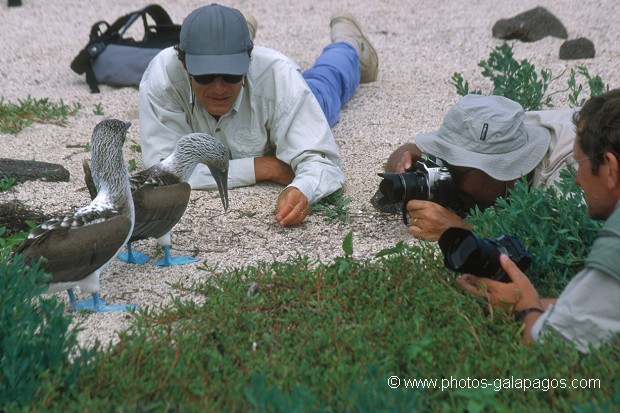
[{"x": 110, "y": 58}]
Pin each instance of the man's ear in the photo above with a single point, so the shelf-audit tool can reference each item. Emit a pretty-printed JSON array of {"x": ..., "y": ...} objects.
[{"x": 613, "y": 170}]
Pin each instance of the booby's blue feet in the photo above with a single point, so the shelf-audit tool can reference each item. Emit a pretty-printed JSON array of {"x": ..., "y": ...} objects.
[
  {"x": 131, "y": 257},
  {"x": 96, "y": 304},
  {"x": 167, "y": 261}
]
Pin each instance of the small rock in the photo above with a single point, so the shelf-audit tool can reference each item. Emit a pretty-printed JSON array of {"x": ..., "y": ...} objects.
[
  {"x": 23, "y": 171},
  {"x": 580, "y": 48},
  {"x": 530, "y": 26}
]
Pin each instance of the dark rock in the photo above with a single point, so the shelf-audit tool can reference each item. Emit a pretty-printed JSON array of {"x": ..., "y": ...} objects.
[
  {"x": 580, "y": 48},
  {"x": 23, "y": 171},
  {"x": 14, "y": 216},
  {"x": 530, "y": 26},
  {"x": 15, "y": 3}
]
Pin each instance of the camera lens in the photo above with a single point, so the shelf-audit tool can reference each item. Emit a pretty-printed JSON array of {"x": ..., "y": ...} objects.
[
  {"x": 392, "y": 186},
  {"x": 465, "y": 252},
  {"x": 460, "y": 251},
  {"x": 403, "y": 187}
]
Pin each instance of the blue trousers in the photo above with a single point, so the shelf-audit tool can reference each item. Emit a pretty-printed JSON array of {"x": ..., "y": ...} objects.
[{"x": 334, "y": 78}]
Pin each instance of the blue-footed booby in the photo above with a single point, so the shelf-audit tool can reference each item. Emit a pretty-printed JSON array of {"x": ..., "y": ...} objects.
[
  {"x": 77, "y": 246},
  {"x": 161, "y": 193}
]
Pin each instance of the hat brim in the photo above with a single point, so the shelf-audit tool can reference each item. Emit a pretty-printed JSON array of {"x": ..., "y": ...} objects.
[
  {"x": 501, "y": 166},
  {"x": 231, "y": 64}
]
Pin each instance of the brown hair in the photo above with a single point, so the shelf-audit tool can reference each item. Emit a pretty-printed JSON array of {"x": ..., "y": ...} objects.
[{"x": 597, "y": 125}]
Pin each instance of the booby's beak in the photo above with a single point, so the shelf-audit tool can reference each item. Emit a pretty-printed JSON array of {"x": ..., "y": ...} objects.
[{"x": 221, "y": 179}]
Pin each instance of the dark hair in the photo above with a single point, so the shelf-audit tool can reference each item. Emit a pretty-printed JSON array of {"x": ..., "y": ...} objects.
[
  {"x": 598, "y": 127},
  {"x": 180, "y": 54}
]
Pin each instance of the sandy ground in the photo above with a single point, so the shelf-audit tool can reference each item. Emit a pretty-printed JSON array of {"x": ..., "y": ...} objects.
[{"x": 420, "y": 45}]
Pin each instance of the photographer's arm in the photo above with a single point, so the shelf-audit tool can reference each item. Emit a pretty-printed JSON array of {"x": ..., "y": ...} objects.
[{"x": 428, "y": 220}]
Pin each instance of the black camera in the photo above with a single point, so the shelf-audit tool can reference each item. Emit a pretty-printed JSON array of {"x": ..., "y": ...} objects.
[
  {"x": 430, "y": 181},
  {"x": 465, "y": 252}
]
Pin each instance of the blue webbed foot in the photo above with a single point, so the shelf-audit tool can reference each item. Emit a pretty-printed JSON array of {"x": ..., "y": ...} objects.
[
  {"x": 96, "y": 304},
  {"x": 133, "y": 257},
  {"x": 168, "y": 260}
]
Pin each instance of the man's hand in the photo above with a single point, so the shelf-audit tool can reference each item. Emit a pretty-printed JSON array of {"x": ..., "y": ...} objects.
[
  {"x": 428, "y": 220},
  {"x": 293, "y": 207},
  {"x": 403, "y": 158},
  {"x": 517, "y": 295},
  {"x": 270, "y": 168}
]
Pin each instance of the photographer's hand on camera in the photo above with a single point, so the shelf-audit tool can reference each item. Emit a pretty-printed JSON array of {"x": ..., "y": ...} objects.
[
  {"x": 428, "y": 220},
  {"x": 518, "y": 296},
  {"x": 403, "y": 159}
]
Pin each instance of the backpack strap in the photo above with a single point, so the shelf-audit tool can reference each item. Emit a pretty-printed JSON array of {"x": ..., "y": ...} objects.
[
  {"x": 82, "y": 62},
  {"x": 102, "y": 33},
  {"x": 157, "y": 13},
  {"x": 163, "y": 31}
]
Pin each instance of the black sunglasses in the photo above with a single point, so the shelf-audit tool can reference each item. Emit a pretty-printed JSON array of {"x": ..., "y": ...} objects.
[{"x": 206, "y": 79}]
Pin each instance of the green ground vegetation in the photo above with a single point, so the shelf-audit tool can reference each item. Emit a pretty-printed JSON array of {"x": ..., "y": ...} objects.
[
  {"x": 303, "y": 335},
  {"x": 16, "y": 116}
]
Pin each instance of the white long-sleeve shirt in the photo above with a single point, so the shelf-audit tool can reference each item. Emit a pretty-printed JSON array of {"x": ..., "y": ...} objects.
[{"x": 274, "y": 114}]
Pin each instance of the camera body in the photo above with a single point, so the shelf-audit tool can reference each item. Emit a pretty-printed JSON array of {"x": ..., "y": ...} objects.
[
  {"x": 429, "y": 181},
  {"x": 465, "y": 252}
]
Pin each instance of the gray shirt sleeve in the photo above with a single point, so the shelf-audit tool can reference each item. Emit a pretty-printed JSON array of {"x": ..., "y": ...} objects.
[{"x": 586, "y": 313}]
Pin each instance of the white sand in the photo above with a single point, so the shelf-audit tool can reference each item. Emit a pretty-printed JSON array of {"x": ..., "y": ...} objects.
[{"x": 420, "y": 45}]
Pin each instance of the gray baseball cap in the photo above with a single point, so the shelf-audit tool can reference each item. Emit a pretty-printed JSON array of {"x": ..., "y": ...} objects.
[
  {"x": 216, "y": 40},
  {"x": 488, "y": 133}
]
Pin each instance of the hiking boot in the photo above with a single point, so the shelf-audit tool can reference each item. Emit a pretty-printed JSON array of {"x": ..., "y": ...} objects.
[
  {"x": 252, "y": 24},
  {"x": 344, "y": 28}
]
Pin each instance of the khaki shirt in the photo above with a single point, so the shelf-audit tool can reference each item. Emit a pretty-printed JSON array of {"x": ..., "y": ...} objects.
[{"x": 560, "y": 125}]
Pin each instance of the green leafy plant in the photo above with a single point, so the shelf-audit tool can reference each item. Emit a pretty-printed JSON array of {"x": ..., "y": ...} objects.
[
  {"x": 132, "y": 165},
  {"x": 135, "y": 146},
  {"x": 516, "y": 80},
  {"x": 98, "y": 110},
  {"x": 334, "y": 207},
  {"x": 347, "y": 244},
  {"x": 519, "y": 81},
  {"x": 552, "y": 223},
  {"x": 10, "y": 242},
  {"x": 36, "y": 341},
  {"x": 595, "y": 85},
  {"x": 159, "y": 250},
  {"x": 6, "y": 183},
  {"x": 15, "y": 117}
]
